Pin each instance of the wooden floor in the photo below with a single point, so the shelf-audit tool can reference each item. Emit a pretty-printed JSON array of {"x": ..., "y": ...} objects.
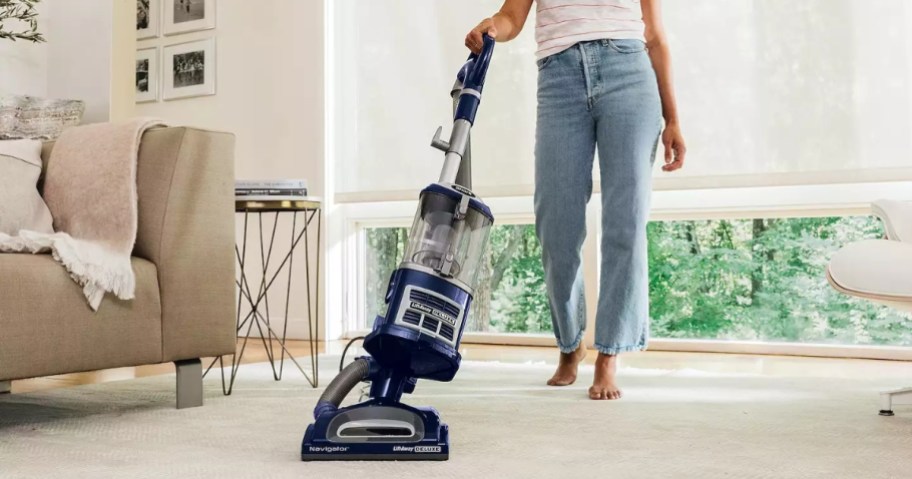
[
  {"x": 716, "y": 363},
  {"x": 255, "y": 353}
]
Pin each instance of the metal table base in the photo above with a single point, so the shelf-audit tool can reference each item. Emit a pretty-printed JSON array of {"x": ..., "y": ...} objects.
[{"x": 257, "y": 300}]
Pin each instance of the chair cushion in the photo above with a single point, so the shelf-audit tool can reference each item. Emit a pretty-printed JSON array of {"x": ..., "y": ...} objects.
[
  {"x": 47, "y": 328},
  {"x": 897, "y": 219},
  {"x": 879, "y": 270}
]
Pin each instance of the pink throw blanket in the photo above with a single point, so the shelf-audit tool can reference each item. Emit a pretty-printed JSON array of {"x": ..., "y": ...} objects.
[{"x": 90, "y": 189}]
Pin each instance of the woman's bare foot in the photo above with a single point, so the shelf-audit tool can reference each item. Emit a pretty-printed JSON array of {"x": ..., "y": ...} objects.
[
  {"x": 566, "y": 368},
  {"x": 603, "y": 384}
]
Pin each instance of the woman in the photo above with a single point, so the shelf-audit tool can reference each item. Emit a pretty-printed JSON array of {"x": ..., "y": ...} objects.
[{"x": 604, "y": 82}]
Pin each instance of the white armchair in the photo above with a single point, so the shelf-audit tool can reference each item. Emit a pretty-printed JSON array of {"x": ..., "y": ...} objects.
[{"x": 880, "y": 271}]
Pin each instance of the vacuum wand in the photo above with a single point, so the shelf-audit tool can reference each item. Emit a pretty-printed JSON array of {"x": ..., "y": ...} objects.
[
  {"x": 471, "y": 77},
  {"x": 464, "y": 175},
  {"x": 459, "y": 140}
]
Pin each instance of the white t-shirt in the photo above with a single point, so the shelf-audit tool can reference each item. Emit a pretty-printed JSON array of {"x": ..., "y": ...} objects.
[{"x": 560, "y": 24}]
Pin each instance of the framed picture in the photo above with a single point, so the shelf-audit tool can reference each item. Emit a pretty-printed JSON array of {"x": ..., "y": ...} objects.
[
  {"x": 188, "y": 69},
  {"x": 183, "y": 16},
  {"x": 147, "y": 18},
  {"x": 147, "y": 75}
]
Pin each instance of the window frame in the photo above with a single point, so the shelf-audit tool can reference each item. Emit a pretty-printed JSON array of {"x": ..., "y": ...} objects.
[{"x": 359, "y": 216}]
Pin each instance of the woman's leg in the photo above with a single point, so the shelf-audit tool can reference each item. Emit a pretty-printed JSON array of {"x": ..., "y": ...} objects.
[
  {"x": 629, "y": 122},
  {"x": 564, "y": 153}
]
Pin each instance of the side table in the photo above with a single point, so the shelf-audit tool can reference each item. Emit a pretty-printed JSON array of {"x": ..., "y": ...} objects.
[{"x": 303, "y": 213}]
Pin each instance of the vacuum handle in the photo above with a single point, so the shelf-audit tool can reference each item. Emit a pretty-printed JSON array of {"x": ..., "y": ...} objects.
[
  {"x": 472, "y": 76},
  {"x": 469, "y": 83}
]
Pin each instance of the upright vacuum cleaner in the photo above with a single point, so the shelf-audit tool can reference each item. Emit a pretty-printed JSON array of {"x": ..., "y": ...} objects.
[{"x": 428, "y": 302}]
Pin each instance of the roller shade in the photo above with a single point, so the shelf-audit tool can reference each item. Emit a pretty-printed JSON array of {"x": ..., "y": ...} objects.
[{"x": 770, "y": 92}]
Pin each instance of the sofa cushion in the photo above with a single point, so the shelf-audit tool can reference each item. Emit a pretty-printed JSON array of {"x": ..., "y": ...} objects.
[
  {"x": 21, "y": 207},
  {"x": 27, "y": 117},
  {"x": 47, "y": 328}
]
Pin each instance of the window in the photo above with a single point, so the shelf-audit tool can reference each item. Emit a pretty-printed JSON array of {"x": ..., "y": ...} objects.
[
  {"x": 795, "y": 114},
  {"x": 764, "y": 280},
  {"x": 744, "y": 279}
]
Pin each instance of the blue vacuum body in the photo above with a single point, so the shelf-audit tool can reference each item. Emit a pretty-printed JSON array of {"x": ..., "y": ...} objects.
[{"x": 428, "y": 300}]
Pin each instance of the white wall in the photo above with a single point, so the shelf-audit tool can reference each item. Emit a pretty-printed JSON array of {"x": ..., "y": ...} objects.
[
  {"x": 24, "y": 65},
  {"x": 24, "y": 68},
  {"x": 79, "y": 38},
  {"x": 269, "y": 93},
  {"x": 82, "y": 59},
  {"x": 269, "y": 87}
]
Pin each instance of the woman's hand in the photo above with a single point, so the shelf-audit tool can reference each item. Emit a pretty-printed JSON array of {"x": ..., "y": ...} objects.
[
  {"x": 503, "y": 26},
  {"x": 475, "y": 40},
  {"x": 675, "y": 150}
]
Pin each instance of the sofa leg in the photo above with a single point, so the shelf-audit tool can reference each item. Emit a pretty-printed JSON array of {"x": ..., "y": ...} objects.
[
  {"x": 189, "y": 383},
  {"x": 6, "y": 387}
]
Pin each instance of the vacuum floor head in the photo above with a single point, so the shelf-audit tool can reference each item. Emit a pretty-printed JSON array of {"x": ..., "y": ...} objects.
[{"x": 372, "y": 431}]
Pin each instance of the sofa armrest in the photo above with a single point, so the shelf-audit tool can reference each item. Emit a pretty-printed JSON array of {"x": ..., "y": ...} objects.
[{"x": 185, "y": 183}]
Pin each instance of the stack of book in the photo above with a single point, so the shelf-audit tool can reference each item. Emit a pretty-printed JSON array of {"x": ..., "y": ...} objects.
[{"x": 270, "y": 190}]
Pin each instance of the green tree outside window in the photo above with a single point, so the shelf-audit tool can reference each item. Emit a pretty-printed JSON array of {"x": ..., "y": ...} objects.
[{"x": 753, "y": 279}]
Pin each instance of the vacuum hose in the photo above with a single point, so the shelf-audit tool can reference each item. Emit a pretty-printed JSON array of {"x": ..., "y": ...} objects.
[{"x": 341, "y": 385}]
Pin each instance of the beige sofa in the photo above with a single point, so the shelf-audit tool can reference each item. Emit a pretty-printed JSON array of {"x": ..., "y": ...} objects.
[{"x": 184, "y": 262}]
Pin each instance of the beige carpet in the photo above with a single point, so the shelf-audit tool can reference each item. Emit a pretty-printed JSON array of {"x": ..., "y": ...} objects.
[{"x": 503, "y": 424}]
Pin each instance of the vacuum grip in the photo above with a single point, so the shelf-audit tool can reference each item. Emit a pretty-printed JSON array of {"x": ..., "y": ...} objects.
[{"x": 472, "y": 76}]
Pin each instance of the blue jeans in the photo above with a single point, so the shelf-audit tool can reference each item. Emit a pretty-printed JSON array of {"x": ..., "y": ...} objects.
[{"x": 601, "y": 94}]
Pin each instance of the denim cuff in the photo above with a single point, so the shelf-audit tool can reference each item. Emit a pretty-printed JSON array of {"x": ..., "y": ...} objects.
[
  {"x": 615, "y": 350},
  {"x": 574, "y": 346}
]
